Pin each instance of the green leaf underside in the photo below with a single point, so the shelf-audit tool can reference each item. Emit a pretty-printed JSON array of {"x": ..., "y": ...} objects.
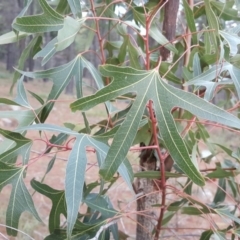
[
  {"x": 20, "y": 199},
  {"x": 149, "y": 86}
]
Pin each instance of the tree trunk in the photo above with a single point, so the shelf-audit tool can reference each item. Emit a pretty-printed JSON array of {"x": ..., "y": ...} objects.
[
  {"x": 169, "y": 24},
  {"x": 146, "y": 215}
]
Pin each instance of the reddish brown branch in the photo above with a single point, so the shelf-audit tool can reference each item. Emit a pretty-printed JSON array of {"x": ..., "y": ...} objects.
[{"x": 169, "y": 24}]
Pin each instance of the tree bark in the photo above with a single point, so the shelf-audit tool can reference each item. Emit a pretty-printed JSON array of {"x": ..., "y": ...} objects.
[
  {"x": 147, "y": 196},
  {"x": 146, "y": 215},
  {"x": 169, "y": 24}
]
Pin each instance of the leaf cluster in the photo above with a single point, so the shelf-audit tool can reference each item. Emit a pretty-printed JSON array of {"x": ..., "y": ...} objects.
[{"x": 131, "y": 73}]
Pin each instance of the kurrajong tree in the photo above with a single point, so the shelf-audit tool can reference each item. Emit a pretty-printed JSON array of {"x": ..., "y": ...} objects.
[{"x": 175, "y": 67}]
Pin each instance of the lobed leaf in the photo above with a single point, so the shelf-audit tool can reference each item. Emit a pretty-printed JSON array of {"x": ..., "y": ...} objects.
[
  {"x": 149, "y": 86},
  {"x": 49, "y": 20},
  {"x": 58, "y": 203},
  {"x": 21, "y": 147},
  {"x": 20, "y": 199}
]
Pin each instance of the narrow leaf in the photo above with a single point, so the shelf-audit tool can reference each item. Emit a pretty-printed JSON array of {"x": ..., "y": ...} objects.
[
  {"x": 26, "y": 53},
  {"x": 12, "y": 37},
  {"x": 76, "y": 8},
  {"x": 21, "y": 97},
  {"x": 190, "y": 20},
  {"x": 221, "y": 191}
]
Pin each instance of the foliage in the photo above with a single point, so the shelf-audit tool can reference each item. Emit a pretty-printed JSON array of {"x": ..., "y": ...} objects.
[{"x": 160, "y": 106}]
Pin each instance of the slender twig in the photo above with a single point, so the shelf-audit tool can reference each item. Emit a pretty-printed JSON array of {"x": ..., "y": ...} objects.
[
  {"x": 3, "y": 225},
  {"x": 100, "y": 39}
]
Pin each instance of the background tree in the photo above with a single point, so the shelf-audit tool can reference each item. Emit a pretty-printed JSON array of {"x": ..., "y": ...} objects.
[{"x": 149, "y": 108}]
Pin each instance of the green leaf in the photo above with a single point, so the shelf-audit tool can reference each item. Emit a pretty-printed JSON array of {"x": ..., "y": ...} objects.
[
  {"x": 225, "y": 212},
  {"x": 196, "y": 65},
  {"x": 190, "y": 21},
  {"x": 100, "y": 204},
  {"x": 76, "y": 8},
  {"x": 164, "y": 67},
  {"x": 206, "y": 235},
  {"x": 144, "y": 133},
  {"x": 22, "y": 147},
  {"x": 125, "y": 169},
  {"x": 37, "y": 97},
  {"x": 20, "y": 199},
  {"x": 150, "y": 86},
  {"x": 156, "y": 175},
  {"x": 226, "y": 10},
  {"x": 47, "y": 52},
  {"x": 48, "y": 21},
  {"x": 195, "y": 210},
  {"x": 61, "y": 76},
  {"x": 75, "y": 173},
  {"x": 67, "y": 34},
  {"x": 154, "y": 32},
  {"x": 159, "y": 37},
  {"x": 57, "y": 140},
  {"x": 37, "y": 40},
  {"x": 133, "y": 55},
  {"x": 167, "y": 217},
  {"x": 58, "y": 203},
  {"x": 221, "y": 191},
  {"x": 123, "y": 50},
  {"x": 232, "y": 39},
  {"x": 213, "y": 23},
  {"x": 24, "y": 118},
  {"x": 211, "y": 74},
  {"x": 12, "y": 37},
  {"x": 74, "y": 182},
  {"x": 219, "y": 235},
  {"x": 63, "y": 7},
  {"x": 21, "y": 97},
  {"x": 220, "y": 173},
  {"x": 48, "y": 127}
]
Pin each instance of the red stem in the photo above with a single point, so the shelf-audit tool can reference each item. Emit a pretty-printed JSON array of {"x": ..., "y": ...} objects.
[{"x": 154, "y": 132}]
